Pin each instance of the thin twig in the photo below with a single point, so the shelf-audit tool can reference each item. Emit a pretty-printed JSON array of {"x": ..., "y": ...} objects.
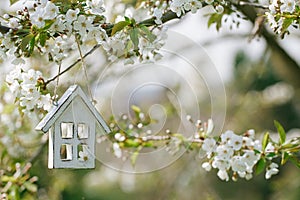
[
  {"x": 157, "y": 138},
  {"x": 148, "y": 22},
  {"x": 72, "y": 65}
]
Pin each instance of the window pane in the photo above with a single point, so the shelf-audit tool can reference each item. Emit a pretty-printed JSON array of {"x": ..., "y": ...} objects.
[
  {"x": 66, "y": 152},
  {"x": 83, "y": 131},
  {"x": 83, "y": 152},
  {"x": 66, "y": 130}
]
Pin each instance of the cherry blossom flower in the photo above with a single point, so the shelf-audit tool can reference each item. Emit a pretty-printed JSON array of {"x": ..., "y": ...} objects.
[
  {"x": 209, "y": 145},
  {"x": 223, "y": 175},
  {"x": 83, "y": 24},
  {"x": 206, "y": 166},
  {"x": 238, "y": 164},
  {"x": 117, "y": 150},
  {"x": 114, "y": 46},
  {"x": 38, "y": 18},
  {"x": 96, "y": 6},
  {"x": 288, "y": 6},
  {"x": 251, "y": 133},
  {"x": 177, "y": 7},
  {"x": 192, "y": 5},
  {"x": 272, "y": 169},
  {"x": 58, "y": 25},
  {"x": 273, "y": 6},
  {"x": 220, "y": 164},
  {"x": 119, "y": 137},
  {"x": 248, "y": 176},
  {"x": 224, "y": 152},
  {"x": 209, "y": 127},
  {"x": 84, "y": 154},
  {"x": 250, "y": 158},
  {"x": 51, "y": 10},
  {"x": 219, "y": 9},
  {"x": 236, "y": 142},
  {"x": 225, "y": 137},
  {"x": 23, "y": 85},
  {"x": 270, "y": 148},
  {"x": 71, "y": 15},
  {"x": 45, "y": 102},
  {"x": 157, "y": 13},
  {"x": 98, "y": 34},
  {"x": 13, "y": 23}
]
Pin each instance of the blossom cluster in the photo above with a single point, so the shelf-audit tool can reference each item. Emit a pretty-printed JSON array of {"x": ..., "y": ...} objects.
[
  {"x": 25, "y": 87},
  {"x": 51, "y": 30},
  {"x": 180, "y": 7},
  {"x": 282, "y": 14},
  {"x": 233, "y": 156},
  {"x": 147, "y": 50},
  {"x": 236, "y": 153},
  {"x": 57, "y": 30}
]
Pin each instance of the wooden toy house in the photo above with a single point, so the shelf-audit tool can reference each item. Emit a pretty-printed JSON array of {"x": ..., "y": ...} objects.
[{"x": 71, "y": 126}]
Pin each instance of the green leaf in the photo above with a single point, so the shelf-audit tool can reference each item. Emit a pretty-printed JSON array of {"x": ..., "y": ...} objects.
[
  {"x": 128, "y": 48},
  {"x": 43, "y": 38},
  {"x": 286, "y": 23},
  {"x": 289, "y": 146},
  {"x": 134, "y": 156},
  {"x": 284, "y": 158},
  {"x": 260, "y": 166},
  {"x": 215, "y": 19},
  {"x": 150, "y": 36},
  {"x": 295, "y": 160},
  {"x": 148, "y": 144},
  {"x": 131, "y": 143},
  {"x": 265, "y": 140},
  {"x": 48, "y": 24},
  {"x": 26, "y": 41},
  {"x": 14, "y": 193},
  {"x": 30, "y": 186},
  {"x": 127, "y": 19},
  {"x": 5, "y": 178},
  {"x": 271, "y": 155},
  {"x": 13, "y": 1},
  {"x": 31, "y": 45},
  {"x": 136, "y": 109},
  {"x": 119, "y": 26},
  {"x": 133, "y": 33},
  {"x": 281, "y": 131},
  {"x": 256, "y": 151}
]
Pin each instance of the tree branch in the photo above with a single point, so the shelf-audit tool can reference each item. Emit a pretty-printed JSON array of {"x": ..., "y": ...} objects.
[
  {"x": 285, "y": 66},
  {"x": 4, "y": 29},
  {"x": 72, "y": 65},
  {"x": 108, "y": 27}
]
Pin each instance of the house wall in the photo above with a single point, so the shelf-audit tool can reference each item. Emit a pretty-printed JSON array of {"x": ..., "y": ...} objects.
[
  {"x": 76, "y": 112},
  {"x": 50, "y": 149}
]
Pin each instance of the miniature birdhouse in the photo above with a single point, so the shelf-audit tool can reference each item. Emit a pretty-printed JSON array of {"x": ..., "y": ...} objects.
[{"x": 71, "y": 126}]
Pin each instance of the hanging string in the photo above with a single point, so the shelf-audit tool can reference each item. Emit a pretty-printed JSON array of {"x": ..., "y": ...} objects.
[
  {"x": 54, "y": 98},
  {"x": 85, "y": 70}
]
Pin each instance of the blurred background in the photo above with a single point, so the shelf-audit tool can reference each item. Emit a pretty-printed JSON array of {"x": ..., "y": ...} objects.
[{"x": 240, "y": 83}]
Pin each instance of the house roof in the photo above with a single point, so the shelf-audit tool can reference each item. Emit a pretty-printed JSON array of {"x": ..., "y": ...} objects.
[{"x": 72, "y": 92}]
